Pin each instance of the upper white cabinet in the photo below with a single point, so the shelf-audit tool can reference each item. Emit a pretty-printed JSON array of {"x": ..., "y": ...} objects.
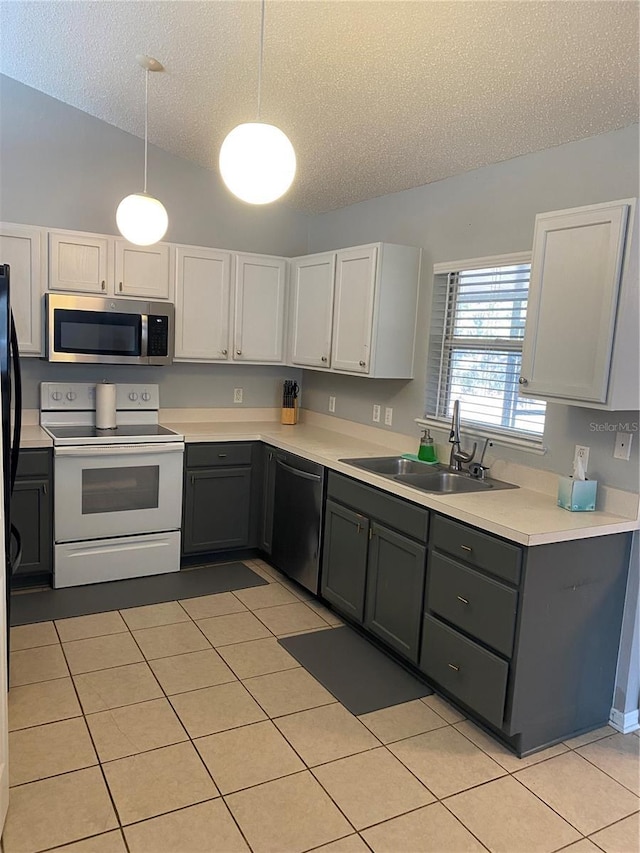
[
  {"x": 142, "y": 271},
  {"x": 354, "y": 311},
  {"x": 22, "y": 248},
  {"x": 79, "y": 262},
  {"x": 93, "y": 263},
  {"x": 259, "y": 308},
  {"x": 203, "y": 283},
  {"x": 581, "y": 337},
  {"x": 312, "y": 283}
]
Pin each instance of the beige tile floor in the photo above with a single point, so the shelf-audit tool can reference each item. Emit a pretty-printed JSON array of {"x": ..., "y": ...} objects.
[{"x": 184, "y": 727}]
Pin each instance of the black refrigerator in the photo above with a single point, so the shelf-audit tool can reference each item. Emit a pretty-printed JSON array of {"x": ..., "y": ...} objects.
[{"x": 11, "y": 394}]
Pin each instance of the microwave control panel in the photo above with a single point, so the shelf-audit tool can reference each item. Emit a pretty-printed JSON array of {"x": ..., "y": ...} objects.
[{"x": 158, "y": 331}]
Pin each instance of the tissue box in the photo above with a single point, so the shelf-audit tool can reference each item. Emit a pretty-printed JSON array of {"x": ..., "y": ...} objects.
[{"x": 577, "y": 495}]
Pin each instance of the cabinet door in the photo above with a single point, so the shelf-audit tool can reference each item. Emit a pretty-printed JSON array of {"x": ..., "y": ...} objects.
[
  {"x": 31, "y": 514},
  {"x": 259, "y": 308},
  {"x": 142, "y": 270},
  {"x": 353, "y": 309},
  {"x": 21, "y": 248},
  {"x": 268, "y": 498},
  {"x": 312, "y": 282},
  {"x": 78, "y": 262},
  {"x": 575, "y": 275},
  {"x": 203, "y": 281},
  {"x": 344, "y": 561},
  {"x": 217, "y": 510},
  {"x": 395, "y": 585}
]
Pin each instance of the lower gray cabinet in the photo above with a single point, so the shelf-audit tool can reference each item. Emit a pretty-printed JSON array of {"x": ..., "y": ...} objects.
[
  {"x": 395, "y": 581},
  {"x": 344, "y": 564},
  {"x": 221, "y": 498},
  {"x": 32, "y": 515},
  {"x": 371, "y": 572}
]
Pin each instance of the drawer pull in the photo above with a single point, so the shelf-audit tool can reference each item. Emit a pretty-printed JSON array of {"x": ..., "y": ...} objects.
[
  {"x": 359, "y": 528},
  {"x": 463, "y": 600},
  {"x": 453, "y": 667},
  {"x": 466, "y": 548},
  {"x": 222, "y": 455}
]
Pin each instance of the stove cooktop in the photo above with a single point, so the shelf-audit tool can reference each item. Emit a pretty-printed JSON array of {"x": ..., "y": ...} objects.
[{"x": 123, "y": 434}]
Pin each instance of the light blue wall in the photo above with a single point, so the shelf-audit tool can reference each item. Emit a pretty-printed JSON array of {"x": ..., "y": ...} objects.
[{"x": 485, "y": 212}]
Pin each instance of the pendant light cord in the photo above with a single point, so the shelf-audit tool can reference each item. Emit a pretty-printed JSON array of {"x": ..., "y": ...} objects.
[
  {"x": 146, "y": 125},
  {"x": 261, "y": 56}
]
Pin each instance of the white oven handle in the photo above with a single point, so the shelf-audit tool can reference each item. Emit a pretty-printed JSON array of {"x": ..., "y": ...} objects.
[{"x": 119, "y": 449}]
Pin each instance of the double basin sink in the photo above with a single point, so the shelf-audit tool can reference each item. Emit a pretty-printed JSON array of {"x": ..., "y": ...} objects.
[{"x": 437, "y": 479}]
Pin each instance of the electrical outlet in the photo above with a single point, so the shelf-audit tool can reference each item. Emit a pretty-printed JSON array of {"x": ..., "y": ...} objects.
[
  {"x": 388, "y": 416},
  {"x": 581, "y": 452},
  {"x": 237, "y": 395},
  {"x": 623, "y": 446},
  {"x": 376, "y": 414},
  {"x": 332, "y": 405}
]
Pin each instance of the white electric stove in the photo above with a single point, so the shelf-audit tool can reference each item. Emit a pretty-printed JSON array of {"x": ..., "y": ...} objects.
[{"x": 117, "y": 492}]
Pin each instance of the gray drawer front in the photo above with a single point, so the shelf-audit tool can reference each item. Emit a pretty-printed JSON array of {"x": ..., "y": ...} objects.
[
  {"x": 480, "y": 549},
  {"x": 479, "y": 605},
  {"x": 394, "y": 512},
  {"x": 34, "y": 463},
  {"x": 214, "y": 455},
  {"x": 473, "y": 675}
]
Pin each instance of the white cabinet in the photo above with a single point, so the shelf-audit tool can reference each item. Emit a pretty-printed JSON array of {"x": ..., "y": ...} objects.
[
  {"x": 142, "y": 271},
  {"x": 22, "y": 248},
  {"x": 203, "y": 283},
  {"x": 79, "y": 262},
  {"x": 365, "y": 313},
  {"x": 582, "y": 328},
  {"x": 312, "y": 282},
  {"x": 96, "y": 263},
  {"x": 259, "y": 308}
]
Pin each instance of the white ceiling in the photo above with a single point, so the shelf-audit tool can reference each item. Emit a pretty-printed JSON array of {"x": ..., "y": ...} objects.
[{"x": 376, "y": 95}]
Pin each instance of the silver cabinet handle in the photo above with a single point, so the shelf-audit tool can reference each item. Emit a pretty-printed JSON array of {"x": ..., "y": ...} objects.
[
  {"x": 453, "y": 667},
  {"x": 466, "y": 547},
  {"x": 362, "y": 363},
  {"x": 523, "y": 381},
  {"x": 222, "y": 455},
  {"x": 103, "y": 284},
  {"x": 44, "y": 488},
  {"x": 463, "y": 600},
  {"x": 324, "y": 358},
  {"x": 224, "y": 351},
  {"x": 238, "y": 352},
  {"x": 120, "y": 288}
]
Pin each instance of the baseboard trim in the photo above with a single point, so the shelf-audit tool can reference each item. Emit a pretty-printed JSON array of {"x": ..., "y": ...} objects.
[{"x": 625, "y": 723}]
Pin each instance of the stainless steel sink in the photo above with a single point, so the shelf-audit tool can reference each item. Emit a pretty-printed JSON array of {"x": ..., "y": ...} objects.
[{"x": 427, "y": 478}]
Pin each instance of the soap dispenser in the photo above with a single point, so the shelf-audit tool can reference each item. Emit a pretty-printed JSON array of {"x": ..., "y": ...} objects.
[{"x": 427, "y": 450}]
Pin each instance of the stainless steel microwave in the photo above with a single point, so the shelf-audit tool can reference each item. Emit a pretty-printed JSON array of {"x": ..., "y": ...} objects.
[{"x": 98, "y": 330}]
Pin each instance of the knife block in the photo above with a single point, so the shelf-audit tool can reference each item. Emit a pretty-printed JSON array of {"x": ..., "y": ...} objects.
[{"x": 289, "y": 414}]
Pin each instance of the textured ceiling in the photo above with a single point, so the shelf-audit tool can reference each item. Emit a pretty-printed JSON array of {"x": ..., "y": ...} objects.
[{"x": 375, "y": 96}]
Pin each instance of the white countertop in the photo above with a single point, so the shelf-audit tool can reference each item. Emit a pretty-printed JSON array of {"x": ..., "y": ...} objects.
[{"x": 522, "y": 515}]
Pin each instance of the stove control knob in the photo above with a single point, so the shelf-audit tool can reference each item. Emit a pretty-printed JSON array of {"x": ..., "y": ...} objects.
[
  {"x": 133, "y": 396},
  {"x": 146, "y": 396},
  {"x": 57, "y": 395},
  {"x": 71, "y": 395}
]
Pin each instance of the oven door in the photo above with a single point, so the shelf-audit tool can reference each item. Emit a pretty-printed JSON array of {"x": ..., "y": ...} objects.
[{"x": 118, "y": 490}]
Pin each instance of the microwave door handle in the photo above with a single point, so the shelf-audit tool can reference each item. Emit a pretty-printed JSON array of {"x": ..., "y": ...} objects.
[{"x": 144, "y": 335}]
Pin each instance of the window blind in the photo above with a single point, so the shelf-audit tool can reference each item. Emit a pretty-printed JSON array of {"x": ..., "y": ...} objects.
[{"x": 475, "y": 349}]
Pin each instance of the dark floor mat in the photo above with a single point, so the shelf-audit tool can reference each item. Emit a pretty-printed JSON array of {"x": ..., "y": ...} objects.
[
  {"x": 42, "y": 605},
  {"x": 358, "y": 674}
]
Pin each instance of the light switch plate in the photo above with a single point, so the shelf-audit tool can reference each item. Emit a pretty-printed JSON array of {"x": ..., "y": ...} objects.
[
  {"x": 388, "y": 416},
  {"x": 237, "y": 395},
  {"x": 376, "y": 414}
]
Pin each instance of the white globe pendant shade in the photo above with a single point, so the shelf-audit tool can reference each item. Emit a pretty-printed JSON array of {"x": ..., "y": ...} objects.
[
  {"x": 142, "y": 219},
  {"x": 257, "y": 162}
]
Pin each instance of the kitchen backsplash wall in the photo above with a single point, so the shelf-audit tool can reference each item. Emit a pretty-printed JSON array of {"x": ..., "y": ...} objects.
[
  {"x": 181, "y": 385},
  {"x": 486, "y": 212},
  {"x": 66, "y": 169}
]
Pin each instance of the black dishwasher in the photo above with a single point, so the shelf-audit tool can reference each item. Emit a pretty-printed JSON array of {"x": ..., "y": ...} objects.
[{"x": 297, "y": 518}]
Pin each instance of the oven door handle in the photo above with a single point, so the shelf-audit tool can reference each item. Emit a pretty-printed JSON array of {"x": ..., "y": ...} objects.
[{"x": 94, "y": 450}]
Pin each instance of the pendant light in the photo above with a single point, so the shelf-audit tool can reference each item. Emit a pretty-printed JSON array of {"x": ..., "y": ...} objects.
[
  {"x": 141, "y": 218},
  {"x": 257, "y": 160}
]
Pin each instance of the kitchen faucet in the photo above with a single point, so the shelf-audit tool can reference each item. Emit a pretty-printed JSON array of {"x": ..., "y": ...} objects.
[{"x": 458, "y": 456}]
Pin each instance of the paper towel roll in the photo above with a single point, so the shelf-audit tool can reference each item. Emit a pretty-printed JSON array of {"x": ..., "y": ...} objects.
[{"x": 105, "y": 406}]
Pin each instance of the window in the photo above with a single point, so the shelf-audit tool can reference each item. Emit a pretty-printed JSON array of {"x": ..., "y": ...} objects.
[{"x": 475, "y": 349}]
